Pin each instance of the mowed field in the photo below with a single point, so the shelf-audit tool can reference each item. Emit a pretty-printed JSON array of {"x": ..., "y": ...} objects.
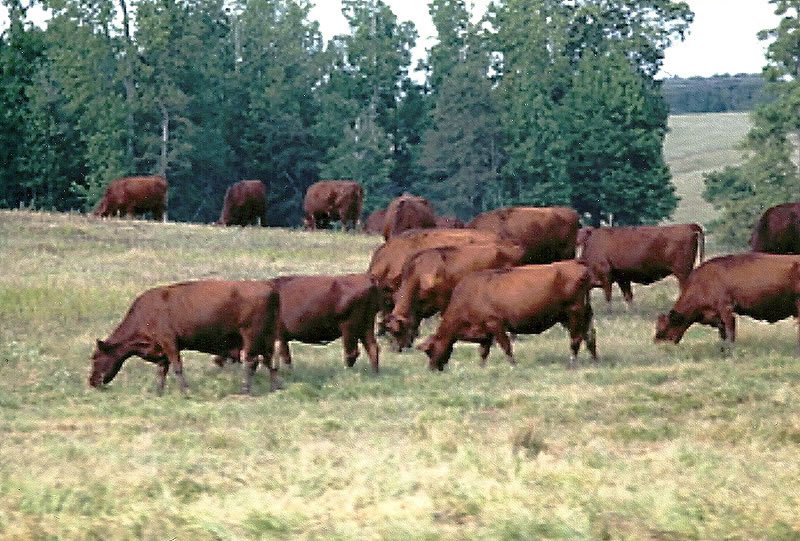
[{"x": 655, "y": 442}]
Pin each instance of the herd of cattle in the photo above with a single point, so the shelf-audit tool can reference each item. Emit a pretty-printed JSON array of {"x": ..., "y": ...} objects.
[{"x": 510, "y": 270}]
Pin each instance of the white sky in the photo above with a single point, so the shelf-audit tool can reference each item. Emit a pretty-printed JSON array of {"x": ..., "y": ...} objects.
[{"x": 722, "y": 38}]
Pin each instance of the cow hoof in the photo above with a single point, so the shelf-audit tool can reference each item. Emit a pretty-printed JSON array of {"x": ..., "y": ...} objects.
[{"x": 276, "y": 385}]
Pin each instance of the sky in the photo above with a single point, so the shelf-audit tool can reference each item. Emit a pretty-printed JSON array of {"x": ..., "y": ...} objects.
[{"x": 722, "y": 38}]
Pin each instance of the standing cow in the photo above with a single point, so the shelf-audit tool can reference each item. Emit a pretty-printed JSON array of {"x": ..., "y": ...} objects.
[
  {"x": 408, "y": 212},
  {"x": 329, "y": 200},
  {"x": 245, "y": 204},
  {"x": 430, "y": 276},
  {"x": 762, "y": 286},
  {"x": 209, "y": 316},
  {"x": 640, "y": 254},
  {"x": 778, "y": 230},
  {"x": 130, "y": 196},
  {"x": 547, "y": 233},
  {"x": 486, "y": 305}
]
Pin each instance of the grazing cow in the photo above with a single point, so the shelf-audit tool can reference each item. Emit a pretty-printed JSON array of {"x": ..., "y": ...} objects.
[
  {"x": 329, "y": 200},
  {"x": 320, "y": 309},
  {"x": 408, "y": 212},
  {"x": 374, "y": 222},
  {"x": 429, "y": 277},
  {"x": 485, "y": 305},
  {"x": 449, "y": 222},
  {"x": 641, "y": 254},
  {"x": 762, "y": 286},
  {"x": 547, "y": 233},
  {"x": 245, "y": 204},
  {"x": 778, "y": 230},
  {"x": 130, "y": 196},
  {"x": 210, "y": 316}
]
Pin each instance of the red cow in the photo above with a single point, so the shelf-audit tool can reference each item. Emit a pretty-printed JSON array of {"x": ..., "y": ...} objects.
[
  {"x": 485, "y": 305},
  {"x": 134, "y": 195},
  {"x": 429, "y": 278},
  {"x": 778, "y": 230},
  {"x": 374, "y": 222},
  {"x": 329, "y": 200},
  {"x": 210, "y": 316},
  {"x": 547, "y": 233},
  {"x": 762, "y": 286},
  {"x": 245, "y": 204},
  {"x": 320, "y": 309},
  {"x": 408, "y": 212},
  {"x": 641, "y": 254},
  {"x": 449, "y": 222}
]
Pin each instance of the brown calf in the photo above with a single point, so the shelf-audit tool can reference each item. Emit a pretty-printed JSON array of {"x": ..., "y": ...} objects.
[
  {"x": 245, "y": 204},
  {"x": 778, "y": 230}
]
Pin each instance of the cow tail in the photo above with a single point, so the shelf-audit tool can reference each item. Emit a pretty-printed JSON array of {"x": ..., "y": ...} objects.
[{"x": 701, "y": 245}]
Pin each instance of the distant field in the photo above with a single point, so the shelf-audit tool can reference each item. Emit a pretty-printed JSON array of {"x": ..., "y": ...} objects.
[
  {"x": 697, "y": 144},
  {"x": 656, "y": 443}
]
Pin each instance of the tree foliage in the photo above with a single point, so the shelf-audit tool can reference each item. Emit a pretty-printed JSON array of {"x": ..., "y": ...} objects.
[{"x": 769, "y": 175}]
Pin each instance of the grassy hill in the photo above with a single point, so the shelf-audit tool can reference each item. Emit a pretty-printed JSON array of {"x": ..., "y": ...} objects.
[
  {"x": 697, "y": 144},
  {"x": 654, "y": 443}
]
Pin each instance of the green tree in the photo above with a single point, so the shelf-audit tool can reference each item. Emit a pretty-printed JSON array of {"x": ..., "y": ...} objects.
[
  {"x": 615, "y": 125},
  {"x": 769, "y": 175}
]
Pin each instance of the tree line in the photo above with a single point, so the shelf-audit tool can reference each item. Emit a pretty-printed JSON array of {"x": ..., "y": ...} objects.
[
  {"x": 716, "y": 94},
  {"x": 546, "y": 102}
]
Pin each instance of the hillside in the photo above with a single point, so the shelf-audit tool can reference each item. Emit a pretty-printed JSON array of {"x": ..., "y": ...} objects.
[{"x": 696, "y": 144}]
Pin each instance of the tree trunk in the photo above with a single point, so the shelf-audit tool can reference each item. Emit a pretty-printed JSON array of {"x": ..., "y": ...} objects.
[
  {"x": 162, "y": 168},
  {"x": 130, "y": 89}
]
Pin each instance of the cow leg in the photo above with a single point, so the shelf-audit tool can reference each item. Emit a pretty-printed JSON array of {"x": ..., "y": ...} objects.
[
  {"x": 284, "y": 354},
  {"x": 500, "y": 335},
  {"x": 606, "y": 285},
  {"x": 161, "y": 376},
  {"x": 174, "y": 357},
  {"x": 349, "y": 345},
  {"x": 591, "y": 341},
  {"x": 370, "y": 343},
  {"x": 627, "y": 293},
  {"x": 729, "y": 324},
  {"x": 485, "y": 347}
]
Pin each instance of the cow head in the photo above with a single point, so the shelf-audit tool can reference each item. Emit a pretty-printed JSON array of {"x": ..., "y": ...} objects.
[
  {"x": 105, "y": 364},
  {"x": 400, "y": 328},
  {"x": 438, "y": 352},
  {"x": 671, "y": 327}
]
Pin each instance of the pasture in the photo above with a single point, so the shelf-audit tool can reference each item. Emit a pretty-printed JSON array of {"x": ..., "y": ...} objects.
[{"x": 656, "y": 442}]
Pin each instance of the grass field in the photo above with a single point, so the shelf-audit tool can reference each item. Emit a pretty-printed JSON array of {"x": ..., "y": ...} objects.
[{"x": 657, "y": 442}]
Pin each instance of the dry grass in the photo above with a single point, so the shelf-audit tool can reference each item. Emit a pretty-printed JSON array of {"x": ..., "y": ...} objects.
[{"x": 655, "y": 443}]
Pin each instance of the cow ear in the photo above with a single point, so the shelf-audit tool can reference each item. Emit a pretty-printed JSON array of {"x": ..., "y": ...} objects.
[{"x": 102, "y": 346}]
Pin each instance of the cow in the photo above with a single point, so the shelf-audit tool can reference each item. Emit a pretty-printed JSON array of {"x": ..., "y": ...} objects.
[
  {"x": 408, "y": 212},
  {"x": 329, "y": 200},
  {"x": 429, "y": 277},
  {"x": 547, "y": 233},
  {"x": 245, "y": 204},
  {"x": 762, "y": 286},
  {"x": 373, "y": 225},
  {"x": 530, "y": 299},
  {"x": 778, "y": 230},
  {"x": 641, "y": 254},
  {"x": 319, "y": 309},
  {"x": 449, "y": 222},
  {"x": 210, "y": 316},
  {"x": 386, "y": 265},
  {"x": 130, "y": 196}
]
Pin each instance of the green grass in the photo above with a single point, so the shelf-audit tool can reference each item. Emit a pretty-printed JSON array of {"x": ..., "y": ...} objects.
[
  {"x": 657, "y": 442},
  {"x": 654, "y": 443}
]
